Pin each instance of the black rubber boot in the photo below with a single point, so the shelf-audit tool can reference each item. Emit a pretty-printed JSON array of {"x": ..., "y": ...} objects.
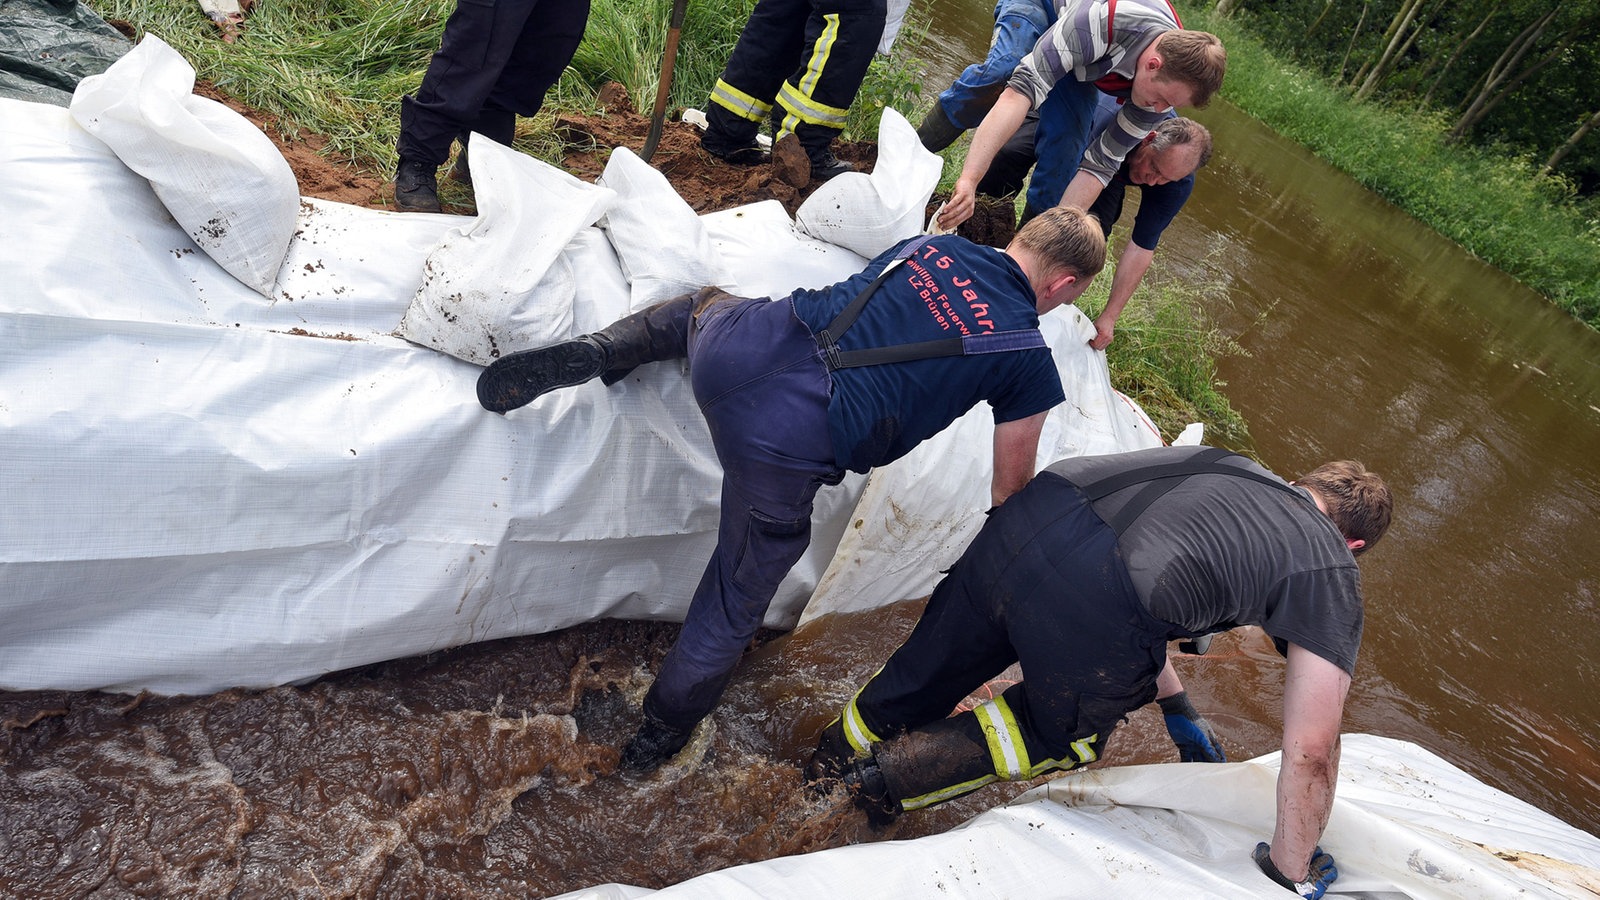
[
  {"x": 658, "y": 333},
  {"x": 831, "y": 758},
  {"x": 653, "y": 744},
  {"x": 937, "y": 131},
  {"x": 416, "y": 187},
  {"x": 750, "y": 154},
  {"x": 518, "y": 379},
  {"x": 870, "y": 793}
]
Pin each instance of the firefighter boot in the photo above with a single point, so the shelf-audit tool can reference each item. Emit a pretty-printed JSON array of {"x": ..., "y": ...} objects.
[
  {"x": 870, "y": 792},
  {"x": 517, "y": 379},
  {"x": 831, "y": 758}
]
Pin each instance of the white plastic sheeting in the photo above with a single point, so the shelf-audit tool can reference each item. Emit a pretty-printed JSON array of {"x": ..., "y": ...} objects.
[
  {"x": 1405, "y": 824},
  {"x": 208, "y": 488}
]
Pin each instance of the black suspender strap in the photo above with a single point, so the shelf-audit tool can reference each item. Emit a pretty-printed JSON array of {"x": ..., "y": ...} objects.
[
  {"x": 967, "y": 345},
  {"x": 1159, "y": 479}
]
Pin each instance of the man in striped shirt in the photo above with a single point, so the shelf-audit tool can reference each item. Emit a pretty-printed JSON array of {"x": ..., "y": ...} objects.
[{"x": 1135, "y": 50}]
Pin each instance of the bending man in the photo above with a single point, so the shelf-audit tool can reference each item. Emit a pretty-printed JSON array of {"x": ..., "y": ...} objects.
[
  {"x": 1141, "y": 56},
  {"x": 1162, "y": 167},
  {"x": 798, "y": 390},
  {"x": 1083, "y": 577}
]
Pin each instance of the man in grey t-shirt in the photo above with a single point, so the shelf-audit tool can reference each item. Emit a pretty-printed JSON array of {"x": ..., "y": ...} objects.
[{"x": 1083, "y": 577}]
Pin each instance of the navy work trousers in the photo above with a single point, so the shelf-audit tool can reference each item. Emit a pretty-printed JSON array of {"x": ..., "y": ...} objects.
[
  {"x": 1042, "y": 584},
  {"x": 495, "y": 62},
  {"x": 800, "y": 62},
  {"x": 763, "y": 389}
]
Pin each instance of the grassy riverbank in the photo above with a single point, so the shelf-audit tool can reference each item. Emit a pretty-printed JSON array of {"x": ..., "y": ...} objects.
[
  {"x": 1495, "y": 206},
  {"x": 338, "y": 69}
]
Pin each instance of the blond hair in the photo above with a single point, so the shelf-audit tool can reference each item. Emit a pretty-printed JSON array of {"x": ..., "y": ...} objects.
[{"x": 1064, "y": 239}]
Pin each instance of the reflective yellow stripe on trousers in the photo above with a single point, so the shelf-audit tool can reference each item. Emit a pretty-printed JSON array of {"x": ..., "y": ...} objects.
[
  {"x": 739, "y": 103},
  {"x": 797, "y": 100}
]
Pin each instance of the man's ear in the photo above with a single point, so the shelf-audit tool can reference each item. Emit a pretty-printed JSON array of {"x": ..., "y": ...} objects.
[
  {"x": 1058, "y": 284},
  {"x": 1354, "y": 544}
]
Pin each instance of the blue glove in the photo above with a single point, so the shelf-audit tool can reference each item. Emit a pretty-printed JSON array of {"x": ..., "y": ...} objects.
[
  {"x": 1321, "y": 873},
  {"x": 1190, "y": 731}
]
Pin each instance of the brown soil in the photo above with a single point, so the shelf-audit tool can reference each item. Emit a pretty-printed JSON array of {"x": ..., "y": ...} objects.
[{"x": 705, "y": 182}]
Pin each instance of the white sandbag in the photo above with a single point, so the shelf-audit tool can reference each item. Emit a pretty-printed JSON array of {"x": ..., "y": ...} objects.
[
  {"x": 660, "y": 241},
  {"x": 750, "y": 238},
  {"x": 219, "y": 176},
  {"x": 215, "y": 492},
  {"x": 1405, "y": 824},
  {"x": 505, "y": 280},
  {"x": 870, "y": 213}
]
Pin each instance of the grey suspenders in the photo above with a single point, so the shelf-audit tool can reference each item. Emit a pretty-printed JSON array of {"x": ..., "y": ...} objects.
[
  {"x": 1159, "y": 479},
  {"x": 967, "y": 345}
]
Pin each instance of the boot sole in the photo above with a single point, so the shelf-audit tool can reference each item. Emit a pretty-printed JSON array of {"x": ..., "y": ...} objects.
[{"x": 518, "y": 379}]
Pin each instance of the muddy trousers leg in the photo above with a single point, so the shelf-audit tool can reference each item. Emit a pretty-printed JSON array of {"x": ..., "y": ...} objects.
[
  {"x": 1040, "y": 585},
  {"x": 764, "y": 394}
]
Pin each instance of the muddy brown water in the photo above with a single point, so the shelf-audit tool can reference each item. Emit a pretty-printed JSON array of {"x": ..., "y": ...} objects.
[{"x": 489, "y": 770}]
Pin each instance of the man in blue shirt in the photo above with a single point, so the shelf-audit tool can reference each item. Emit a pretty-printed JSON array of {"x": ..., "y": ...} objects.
[
  {"x": 798, "y": 390},
  {"x": 1162, "y": 166}
]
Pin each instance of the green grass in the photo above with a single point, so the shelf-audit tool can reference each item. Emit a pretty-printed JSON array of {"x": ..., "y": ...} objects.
[
  {"x": 1165, "y": 356},
  {"x": 1492, "y": 204}
]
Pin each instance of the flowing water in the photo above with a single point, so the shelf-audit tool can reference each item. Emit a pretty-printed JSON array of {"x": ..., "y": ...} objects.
[{"x": 490, "y": 770}]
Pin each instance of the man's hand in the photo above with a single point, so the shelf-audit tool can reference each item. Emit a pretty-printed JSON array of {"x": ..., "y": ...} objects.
[
  {"x": 1104, "y": 328},
  {"x": 959, "y": 208},
  {"x": 1190, "y": 732},
  {"x": 1320, "y": 873}
]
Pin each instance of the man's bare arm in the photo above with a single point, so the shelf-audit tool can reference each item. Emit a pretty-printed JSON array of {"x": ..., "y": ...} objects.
[
  {"x": 996, "y": 128},
  {"x": 1313, "y": 705},
  {"x": 1131, "y": 266},
  {"x": 1016, "y": 449}
]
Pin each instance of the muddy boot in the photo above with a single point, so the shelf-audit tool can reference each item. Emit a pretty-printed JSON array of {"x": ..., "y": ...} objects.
[
  {"x": 416, "y": 187},
  {"x": 824, "y": 165},
  {"x": 518, "y": 379},
  {"x": 653, "y": 744},
  {"x": 870, "y": 793},
  {"x": 831, "y": 758},
  {"x": 937, "y": 131},
  {"x": 658, "y": 333}
]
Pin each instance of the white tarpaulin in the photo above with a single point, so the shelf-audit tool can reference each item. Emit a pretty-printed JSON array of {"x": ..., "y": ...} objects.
[
  {"x": 1405, "y": 824},
  {"x": 210, "y": 487}
]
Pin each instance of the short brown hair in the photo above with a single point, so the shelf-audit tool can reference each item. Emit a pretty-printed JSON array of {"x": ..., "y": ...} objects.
[
  {"x": 1065, "y": 239},
  {"x": 1193, "y": 58},
  {"x": 1357, "y": 500}
]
